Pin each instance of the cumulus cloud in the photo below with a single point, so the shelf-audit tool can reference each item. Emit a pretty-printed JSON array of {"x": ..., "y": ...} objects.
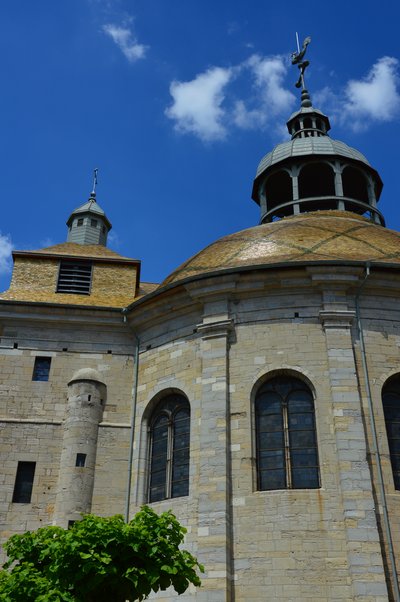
[
  {"x": 374, "y": 98},
  {"x": 125, "y": 39},
  {"x": 5, "y": 253},
  {"x": 271, "y": 98},
  {"x": 197, "y": 104},
  {"x": 362, "y": 102},
  {"x": 209, "y": 107}
]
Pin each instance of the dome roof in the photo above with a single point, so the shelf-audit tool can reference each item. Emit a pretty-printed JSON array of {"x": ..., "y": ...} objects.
[
  {"x": 298, "y": 147},
  {"x": 87, "y": 374},
  {"x": 321, "y": 236}
]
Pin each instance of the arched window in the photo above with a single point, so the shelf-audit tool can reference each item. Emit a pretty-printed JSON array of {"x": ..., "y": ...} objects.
[
  {"x": 169, "y": 449},
  {"x": 278, "y": 189},
  {"x": 316, "y": 179},
  {"x": 391, "y": 408},
  {"x": 355, "y": 184},
  {"x": 287, "y": 455}
]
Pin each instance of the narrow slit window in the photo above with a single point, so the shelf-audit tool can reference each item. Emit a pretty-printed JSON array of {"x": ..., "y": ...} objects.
[
  {"x": 80, "y": 460},
  {"x": 74, "y": 277},
  {"x": 41, "y": 369},
  {"x": 24, "y": 482}
]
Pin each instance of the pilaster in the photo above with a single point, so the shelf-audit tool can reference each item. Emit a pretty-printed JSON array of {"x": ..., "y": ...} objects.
[{"x": 214, "y": 508}]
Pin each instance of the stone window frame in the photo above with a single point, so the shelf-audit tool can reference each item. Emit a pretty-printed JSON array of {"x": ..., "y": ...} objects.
[
  {"x": 163, "y": 419},
  {"x": 41, "y": 368},
  {"x": 23, "y": 485},
  {"x": 286, "y": 447}
]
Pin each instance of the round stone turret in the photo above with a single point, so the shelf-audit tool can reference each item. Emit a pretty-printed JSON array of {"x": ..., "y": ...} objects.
[
  {"x": 86, "y": 400},
  {"x": 88, "y": 224}
]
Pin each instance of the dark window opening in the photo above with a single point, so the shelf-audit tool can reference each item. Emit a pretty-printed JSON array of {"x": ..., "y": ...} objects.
[
  {"x": 287, "y": 455},
  {"x": 354, "y": 184},
  {"x": 80, "y": 222},
  {"x": 316, "y": 180},
  {"x": 74, "y": 277},
  {"x": 93, "y": 223},
  {"x": 103, "y": 229},
  {"x": 71, "y": 523},
  {"x": 169, "y": 449},
  {"x": 391, "y": 409},
  {"x": 24, "y": 482},
  {"x": 15, "y": 345},
  {"x": 307, "y": 123},
  {"x": 80, "y": 460},
  {"x": 278, "y": 189},
  {"x": 41, "y": 368}
]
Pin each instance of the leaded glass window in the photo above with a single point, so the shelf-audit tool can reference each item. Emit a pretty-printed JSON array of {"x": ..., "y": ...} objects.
[
  {"x": 287, "y": 454},
  {"x": 169, "y": 449},
  {"x": 391, "y": 408}
]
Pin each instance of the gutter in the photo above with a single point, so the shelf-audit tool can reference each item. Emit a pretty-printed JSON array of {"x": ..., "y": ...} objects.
[{"x": 375, "y": 445}]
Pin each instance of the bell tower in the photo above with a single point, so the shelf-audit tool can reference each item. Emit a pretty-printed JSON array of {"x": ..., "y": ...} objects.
[
  {"x": 313, "y": 172},
  {"x": 88, "y": 224}
]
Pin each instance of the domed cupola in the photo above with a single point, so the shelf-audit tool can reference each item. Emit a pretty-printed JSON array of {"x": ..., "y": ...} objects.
[
  {"x": 88, "y": 224},
  {"x": 313, "y": 172}
]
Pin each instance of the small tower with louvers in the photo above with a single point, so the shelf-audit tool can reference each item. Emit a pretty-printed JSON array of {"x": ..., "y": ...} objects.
[{"x": 88, "y": 224}]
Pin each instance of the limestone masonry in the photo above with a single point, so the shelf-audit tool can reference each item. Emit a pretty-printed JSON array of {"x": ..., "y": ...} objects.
[{"x": 255, "y": 392}]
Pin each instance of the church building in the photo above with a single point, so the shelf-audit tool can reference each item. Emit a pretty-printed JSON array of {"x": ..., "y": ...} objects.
[{"x": 255, "y": 391}]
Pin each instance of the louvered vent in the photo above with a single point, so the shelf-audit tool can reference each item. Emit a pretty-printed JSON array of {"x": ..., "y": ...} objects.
[{"x": 74, "y": 277}]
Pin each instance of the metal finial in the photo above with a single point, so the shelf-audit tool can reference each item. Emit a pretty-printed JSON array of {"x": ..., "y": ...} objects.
[
  {"x": 297, "y": 59},
  {"x": 93, "y": 193}
]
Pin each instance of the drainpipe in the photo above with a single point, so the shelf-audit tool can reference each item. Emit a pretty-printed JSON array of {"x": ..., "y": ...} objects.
[
  {"x": 375, "y": 446},
  {"x": 133, "y": 421}
]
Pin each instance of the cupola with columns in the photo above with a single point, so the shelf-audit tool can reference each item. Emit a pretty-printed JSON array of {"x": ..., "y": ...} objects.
[{"x": 312, "y": 171}]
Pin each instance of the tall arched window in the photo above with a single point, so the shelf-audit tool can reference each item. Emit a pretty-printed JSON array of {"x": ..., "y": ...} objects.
[
  {"x": 391, "y": 408},
  {"x": 287, "y": 455},
  {"x": 169, "y": 449}
]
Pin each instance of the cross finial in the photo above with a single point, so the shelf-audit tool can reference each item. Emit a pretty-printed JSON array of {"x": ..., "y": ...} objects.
[{"x": 93, "y": 193}]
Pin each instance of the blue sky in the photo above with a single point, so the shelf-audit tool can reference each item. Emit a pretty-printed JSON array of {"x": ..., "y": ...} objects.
[{"x": 176, "y": 101}]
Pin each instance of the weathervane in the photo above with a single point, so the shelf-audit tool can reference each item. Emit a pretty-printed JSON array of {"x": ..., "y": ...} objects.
[
  {"x": 93, "y": 193},
  {"x": 297, "y": 59}
]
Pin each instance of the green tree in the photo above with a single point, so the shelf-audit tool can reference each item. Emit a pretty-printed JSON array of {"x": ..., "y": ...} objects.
[{"x": 98, "y": 560}]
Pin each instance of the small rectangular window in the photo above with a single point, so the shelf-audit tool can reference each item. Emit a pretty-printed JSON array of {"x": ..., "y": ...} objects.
[
  {"x": 41, "y": 369},
  {"x": 71, "y": 523},
  {"x": 80, "y": 222},
  {"x": 80, "y": 460},
  {"x": 93, "y": 223},
  {"x": 24, "y": 482},
  {"x": 74, "y": 277}
]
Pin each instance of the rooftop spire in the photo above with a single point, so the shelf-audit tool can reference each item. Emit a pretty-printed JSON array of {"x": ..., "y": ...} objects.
[
  {"x": 93, "y": 193},
  {"x": 297, "y": 59}
]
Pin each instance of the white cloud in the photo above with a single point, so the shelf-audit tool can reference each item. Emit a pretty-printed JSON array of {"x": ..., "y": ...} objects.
[
  {"x": 5, "y": 253},
  {"x": 271, "y": 98},
  {"x": 208, "y": 106},
  {"x": 374, "y": 98},
  {"x": 197, "y": 104},
  {"x": 362, "y": 102},
  {"x": 126, "y": 41}
]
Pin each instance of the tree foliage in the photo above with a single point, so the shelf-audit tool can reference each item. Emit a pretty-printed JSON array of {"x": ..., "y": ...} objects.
[{"x": 98, "y": 560}]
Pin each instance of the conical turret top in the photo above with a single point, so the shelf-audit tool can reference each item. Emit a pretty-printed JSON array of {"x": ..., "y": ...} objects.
[{"x": 88, "y": 224}]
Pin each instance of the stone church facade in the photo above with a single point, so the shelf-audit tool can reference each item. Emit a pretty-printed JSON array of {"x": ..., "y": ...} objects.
[{"x": 255, "y": 392}]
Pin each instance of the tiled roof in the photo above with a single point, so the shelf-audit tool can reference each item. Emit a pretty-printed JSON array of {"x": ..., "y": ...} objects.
[
  {"x": 76, "y": 250},
  {"x": 309, "y": 237}
]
